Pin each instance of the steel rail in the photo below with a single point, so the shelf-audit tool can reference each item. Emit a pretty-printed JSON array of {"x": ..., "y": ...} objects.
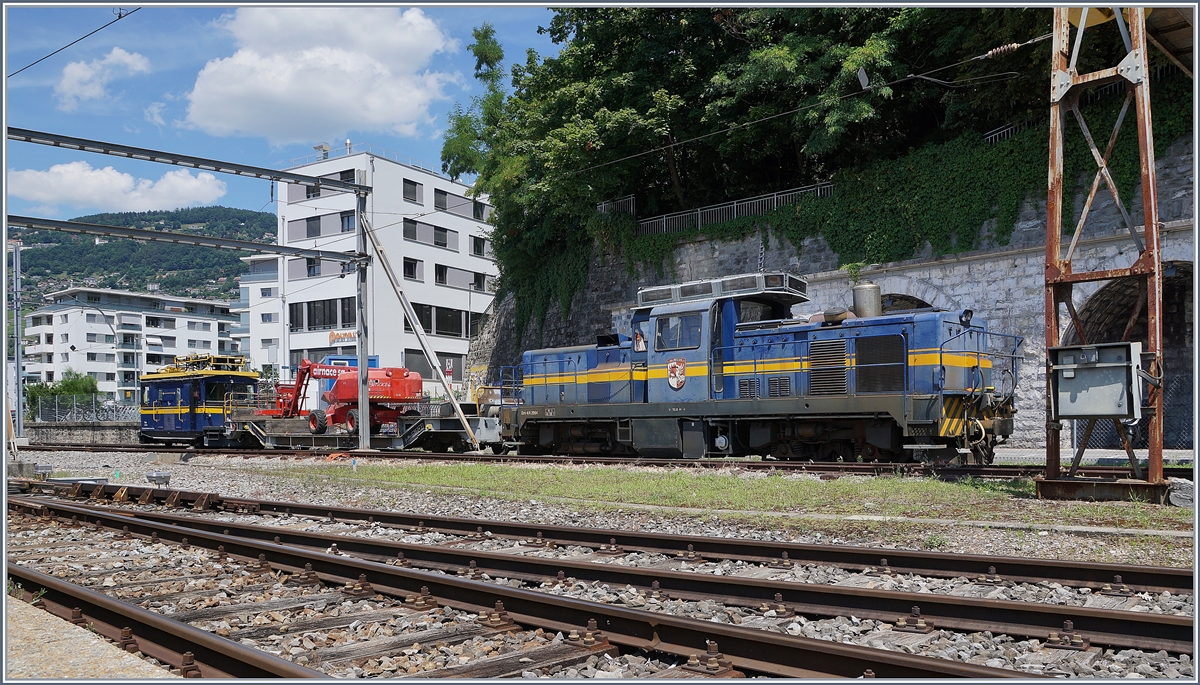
[
  {"x": 157, "y": 636},
  {"x": 934, "y": 564},
  {"x": 817, "y": 468},
  {"x": 1121, "y": 629},
  {"x": 765, "y": 652}
]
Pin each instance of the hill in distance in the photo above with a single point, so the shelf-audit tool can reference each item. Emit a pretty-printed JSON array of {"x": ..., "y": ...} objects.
[{"x": 54, "y": 260}]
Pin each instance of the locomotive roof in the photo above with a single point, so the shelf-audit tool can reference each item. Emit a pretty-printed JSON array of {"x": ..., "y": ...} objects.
[
  {"x": 779, "y": 286},
  {"x": 169, "y": 374},
  {"x": 899, "y": 317}
]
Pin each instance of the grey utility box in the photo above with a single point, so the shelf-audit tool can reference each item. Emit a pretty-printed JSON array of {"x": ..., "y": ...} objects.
[{"x": 1096, "y": 381}]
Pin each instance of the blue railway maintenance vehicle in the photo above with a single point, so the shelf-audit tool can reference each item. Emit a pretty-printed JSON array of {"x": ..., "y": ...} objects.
[
  {"x": 720, "y": 368},
  {"x": 186, "y": 402}
]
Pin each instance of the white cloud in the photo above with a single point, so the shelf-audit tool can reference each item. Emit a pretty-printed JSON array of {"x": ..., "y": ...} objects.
[
  {"x": 307, "y": 74},
  {"x": 77, "y": 184},
  {"x": 86, "y": 80},
  {"x": 153, "y": 113}
]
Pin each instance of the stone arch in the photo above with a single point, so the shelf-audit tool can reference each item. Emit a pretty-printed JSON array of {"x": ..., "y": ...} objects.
[
  {"x": 919, "y": 289},
  {"x": 899, "y": 302},
  {"x": 1105, "y": 314}
]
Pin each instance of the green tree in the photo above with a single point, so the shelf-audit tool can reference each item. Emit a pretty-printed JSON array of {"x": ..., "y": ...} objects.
[
  {"x": 682, "y": 107},
  {"x": 72, "y": 383}
]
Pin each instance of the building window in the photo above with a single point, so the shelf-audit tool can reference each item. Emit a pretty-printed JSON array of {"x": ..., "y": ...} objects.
[
  {"x": 49, "y": 376},
  {"x": 168, "y": 341},
  {"x": 111, "y": 357},
  {"x": 49, "y": 338},
  {"x": 192, "y": 344},
  {"x": 295, "y": 317},
  {"x": 312, "y": 191},
  {"x": 424, "y": 314},
  {"x": 127, "y": 358},
  {"x": 449, "y": 322},
  {"x": 62, "y": 338},
  {"x": 349, "y": 312},
  {"x": 64, "y": 357},
  {"x": 412, "y": 191},
  {"x": 91, "y": 337},
  {"x": 268, "y": 343},
  {"x": 322, "y": 314},
  {"x": 62, "y": 318},
  {"x": 267, "y": 292},
  {"x": 346, "y": 176},
  {"x": 414, "y": 360},
  {"x": 312, "y": 227},
  {"x": 439, "y": 274},
  {"x": 91, "y": 356},
  {"x": 478, "y": 246},
  {"x": 93, "y": 299},
  {"x": 479, "y": 211},
  {"x": 127, "y": 377},
  {"x": 347, "y": 222},
  {"x": 110, "y": 376},
  {"x": 199, "y": 326},
  {"x": 410, "y": 229},
  {"x": 312, "y": 266},
  {"x": 154, "y": 359},
  {"x": 412, "y": 269},
  {"x": 439, "y": 199},
  {"x": 268, "y": 317},
  {"x": 480, "y": 283},
  {"x": 477, "y": 320},
  {"x": 440, "y": 237}
]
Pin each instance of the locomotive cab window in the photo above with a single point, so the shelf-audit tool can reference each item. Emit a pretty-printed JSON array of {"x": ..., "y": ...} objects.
[
  {"x": 215, "y": 392},
  {"x": 750, "y": 311},
  {"x": 681, "y": 332},
  {"x": 146, "y": 394}
]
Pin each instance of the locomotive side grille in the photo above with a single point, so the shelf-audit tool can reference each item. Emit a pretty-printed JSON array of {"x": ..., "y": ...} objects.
[
  {"x": 779, "y": 386},
  {"x": 747, "y": 387},
  {"x": 827, "y": 367},
  {"x": 880, "y": 364}
]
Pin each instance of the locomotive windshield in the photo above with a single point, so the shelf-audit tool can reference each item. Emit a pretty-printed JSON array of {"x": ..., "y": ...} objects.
[{"x": 679, "y": 332}]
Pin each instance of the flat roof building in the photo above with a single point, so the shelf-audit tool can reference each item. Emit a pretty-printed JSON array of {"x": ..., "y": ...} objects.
[
  {"x": 435, "y": 236},
  {"x": 116, "y": 335}
]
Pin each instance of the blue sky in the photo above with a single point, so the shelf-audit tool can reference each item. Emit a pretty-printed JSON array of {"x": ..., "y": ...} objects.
[{"x": 252, "y": 85}]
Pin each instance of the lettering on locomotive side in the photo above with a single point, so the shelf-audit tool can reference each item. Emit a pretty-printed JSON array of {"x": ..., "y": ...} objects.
[{"x": 531, "y": 412}]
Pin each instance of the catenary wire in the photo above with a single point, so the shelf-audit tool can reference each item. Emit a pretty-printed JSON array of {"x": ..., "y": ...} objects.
[{"x": 119, "y": 18}]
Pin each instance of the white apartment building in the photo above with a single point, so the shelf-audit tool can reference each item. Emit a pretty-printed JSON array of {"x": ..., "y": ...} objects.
[
  {"x": 115, "y": 336},
  {"x": 435, "y": 237}
]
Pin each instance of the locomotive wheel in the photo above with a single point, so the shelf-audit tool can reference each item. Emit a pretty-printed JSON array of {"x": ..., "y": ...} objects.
[
  {"x": 352, "y": 420},
  {"x": 317, "y": 422},
  {"x": 837, "y": 450},
  {"x": 499, "y": 448}
]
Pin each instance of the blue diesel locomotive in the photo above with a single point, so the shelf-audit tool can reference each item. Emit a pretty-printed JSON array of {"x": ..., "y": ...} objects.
[
  {"x": 719, "y": 368},
  {"x": 186, "y": 402}
]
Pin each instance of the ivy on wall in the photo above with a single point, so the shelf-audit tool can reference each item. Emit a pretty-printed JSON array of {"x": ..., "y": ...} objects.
[
  {"x": 943, "y": 194},
  {"x": 888, "y": 210}
]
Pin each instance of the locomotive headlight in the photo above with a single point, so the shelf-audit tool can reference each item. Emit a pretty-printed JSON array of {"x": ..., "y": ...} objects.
[{"x": 965, "y": 318}]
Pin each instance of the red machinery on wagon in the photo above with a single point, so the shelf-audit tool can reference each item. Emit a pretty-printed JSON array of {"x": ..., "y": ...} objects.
[{"x": 388, "y": 391}]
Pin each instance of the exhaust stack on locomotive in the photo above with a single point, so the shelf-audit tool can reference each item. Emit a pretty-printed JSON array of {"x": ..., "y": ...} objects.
[{"x": 720, "y": 368}]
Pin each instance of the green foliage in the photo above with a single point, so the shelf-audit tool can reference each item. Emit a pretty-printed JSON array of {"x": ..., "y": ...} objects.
[
  {"x": 655, "y": 102},
  {"x": 73, "y": 383},
  {"x": 130, "y": 265}
]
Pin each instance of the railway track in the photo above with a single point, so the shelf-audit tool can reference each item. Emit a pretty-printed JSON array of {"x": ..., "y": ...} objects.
[
  {"x": 323, "y": 614},
  {"x": 823, "y": 469},
  {"x": 748, "y": 592}
]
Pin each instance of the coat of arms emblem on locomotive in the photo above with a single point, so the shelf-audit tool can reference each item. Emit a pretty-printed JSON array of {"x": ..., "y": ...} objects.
[{"x": 676, "y": 373}]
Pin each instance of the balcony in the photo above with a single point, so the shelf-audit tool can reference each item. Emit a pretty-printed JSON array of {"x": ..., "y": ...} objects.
[
  {"x": 129, "y": 327},
  {"x": 239, "y": 304},
  {"x": 129, "y": 346},
  {"x": 127, "y": 364},
  {"x": 238, "y": 331},
  {"x": 266, "y": 277}
]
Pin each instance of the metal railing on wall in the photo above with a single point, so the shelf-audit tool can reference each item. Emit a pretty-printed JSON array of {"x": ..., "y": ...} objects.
[
  {"x": 60, "y": 408},
  {"x": 695, "y": 219}
]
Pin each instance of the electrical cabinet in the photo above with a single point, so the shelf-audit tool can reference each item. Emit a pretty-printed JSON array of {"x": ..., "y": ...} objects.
[{"x": 1096, "y": 381}]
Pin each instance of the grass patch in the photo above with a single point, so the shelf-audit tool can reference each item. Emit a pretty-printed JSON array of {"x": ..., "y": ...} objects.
[{"x": 969, "y": 499}]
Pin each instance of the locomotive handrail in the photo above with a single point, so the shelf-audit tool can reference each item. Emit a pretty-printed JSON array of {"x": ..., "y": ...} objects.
[{"x": 985, "y": 337}]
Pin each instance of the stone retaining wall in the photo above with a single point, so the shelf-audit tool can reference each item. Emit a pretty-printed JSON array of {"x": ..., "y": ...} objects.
[{"x": 1002, "y": 284}]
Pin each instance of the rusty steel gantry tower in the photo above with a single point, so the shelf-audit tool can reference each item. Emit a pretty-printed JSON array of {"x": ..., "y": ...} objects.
[{"x": 1066, "y": 86}]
